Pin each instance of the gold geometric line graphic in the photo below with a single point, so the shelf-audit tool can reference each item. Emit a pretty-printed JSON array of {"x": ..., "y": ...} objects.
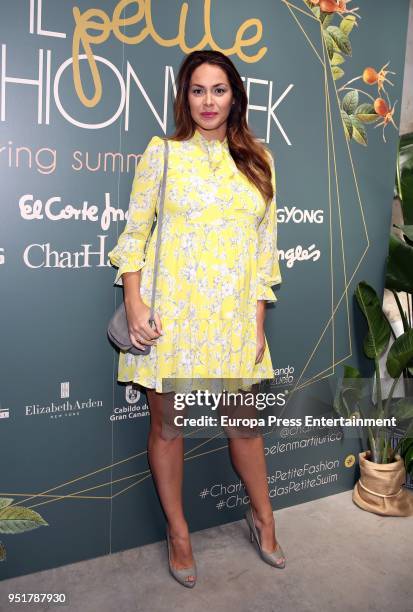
[
  {"x": 44, "y": 493},
  {"x": 328, "y": 129},
  {"x": 323, "y": 63},
  {"x": 110, "y": 497},
  {"x": 106, "y": 467},
  {"x": 354, "y": 173},
  {"x": 148, "y": 474},
  {"x": 77, "y": 494},
  {"x": 319, "y": 376},
  {"x": 337, "y": 305},
  {"x": 308, "y": 13},
  {"x": 189, "y": 451},
  {"x": 316, "y": 376},
  {"x": 327, "y": 132},
  {"x": 328, "y": 369},
  {"x": 361, "y": 207},
  {"x": 186, "y": 454},
  {"x": 339, "y": 209},
  {"x": 212, "y": 450},
  {"x": 288, "y": 5},
  {"x": 364, "y": 225}
]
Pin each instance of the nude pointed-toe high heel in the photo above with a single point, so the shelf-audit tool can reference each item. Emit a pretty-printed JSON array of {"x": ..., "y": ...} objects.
[
  {"x": 272, "y": 558},
  {"x": 181, "y": 575}
]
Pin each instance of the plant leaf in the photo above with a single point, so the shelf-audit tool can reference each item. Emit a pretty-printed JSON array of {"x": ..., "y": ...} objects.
[
  {"x": 337, "y": 59},
  {"x": 405, "y": 171},
  {"x": 378, "y": 336},
  {"x": 346, "y": 24},
  {"x": 349, "y": 391},
  {"x": 359, "y": 131},
  {"x": 400, "y": 354},
  {"x": 351, "y": 372},
  {"x": 329, "y": 43},
  {"x": 399, "y": 265},
  {"x": 350, "y": 101},
  {"x": 402, "y": 410},
  {"x": 5, "y": 501},
  {"x": 408, "y": 460},
  {"x": 16, "y": 519},
  {"x": 405, "y": 444},
  {"x": 340, "y": 38},
  {"x": 326, "y": 19},
  {"x": 406, "y": 229},
  {"x": 336, "y": 72},
  {"x": 348, "y": 126},
  {"x": 365, "y": 112}
]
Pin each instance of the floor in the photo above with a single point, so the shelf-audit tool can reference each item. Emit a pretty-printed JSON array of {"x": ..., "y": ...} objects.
[{"x": 340, "y": 558}]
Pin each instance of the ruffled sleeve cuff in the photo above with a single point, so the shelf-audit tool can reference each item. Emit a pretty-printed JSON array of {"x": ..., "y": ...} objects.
[
  {"x": 133, "y": 264},
  {"x": 266, "y": 293}
]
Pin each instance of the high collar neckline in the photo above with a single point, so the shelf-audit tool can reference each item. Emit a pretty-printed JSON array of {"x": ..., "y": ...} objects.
[
  {"x": 213, "y": 143},
  {"x": 217, "y": 154}
]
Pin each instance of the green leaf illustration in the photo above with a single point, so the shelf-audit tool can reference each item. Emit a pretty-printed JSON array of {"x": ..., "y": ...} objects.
[
  {"x": 350, "y": 102},
  {"x": 5, "y": 501},
  {"x": 342, "y": 41},
  {"x": 336, "y": 59},
  {"x": 348, "y": 126},
  {"x": 365, "y": 112},
  {"x": 329, "y": 43},
  {"x": 316, "y": 11},
  {"x": 326, "y": 19},
  {"x": 2, "y": 552},
  {"x": 359, "y": 132},
  {"x": 346, "y": 24},
  {"x": 336, "y": 72},
  {"x": 16, "y": 519}
]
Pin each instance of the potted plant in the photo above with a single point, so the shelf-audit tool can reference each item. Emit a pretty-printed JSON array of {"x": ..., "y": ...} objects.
[
  {"x": 382, "y": 469},
  {"x": 399, "y": 265},
  {"x": 382, "y": 462}
]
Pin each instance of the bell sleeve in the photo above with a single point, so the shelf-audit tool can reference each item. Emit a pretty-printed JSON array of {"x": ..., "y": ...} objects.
[
  {"x": 128, "y": 254},
  {"x": 269, "y": 273}
]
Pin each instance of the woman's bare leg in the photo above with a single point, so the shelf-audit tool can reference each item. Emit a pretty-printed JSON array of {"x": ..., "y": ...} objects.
[
  {"x": 247, "y": 455},
  {"x": 166, "y": 460}
]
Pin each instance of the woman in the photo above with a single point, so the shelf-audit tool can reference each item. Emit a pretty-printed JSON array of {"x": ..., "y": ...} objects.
[{"x": 217, "y": 263}]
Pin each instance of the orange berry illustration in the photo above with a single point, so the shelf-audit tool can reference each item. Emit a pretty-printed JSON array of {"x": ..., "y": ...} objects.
[
  {"x": 330, "y": 6},
  {"x": 370, "y": 76},
  {"x": 381, "y": 107}
]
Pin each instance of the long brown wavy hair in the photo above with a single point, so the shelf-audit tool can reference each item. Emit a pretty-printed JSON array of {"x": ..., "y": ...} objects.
[{"x": 250, "y": 155}]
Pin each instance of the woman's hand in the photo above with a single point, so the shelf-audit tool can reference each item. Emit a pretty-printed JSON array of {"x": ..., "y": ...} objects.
[
  {"x": 260, "y": 331},
  {"x": 140, "y": 332}
]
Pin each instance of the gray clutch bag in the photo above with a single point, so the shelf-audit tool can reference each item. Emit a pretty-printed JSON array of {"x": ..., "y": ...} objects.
[{"x": 118, "y": 331}]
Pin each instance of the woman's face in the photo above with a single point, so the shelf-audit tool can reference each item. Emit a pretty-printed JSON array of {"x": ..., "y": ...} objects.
[{"x": 210, "y": 99}]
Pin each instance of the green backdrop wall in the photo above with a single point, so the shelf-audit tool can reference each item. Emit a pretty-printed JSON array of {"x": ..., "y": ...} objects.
[{"x": 75, "y": 115}]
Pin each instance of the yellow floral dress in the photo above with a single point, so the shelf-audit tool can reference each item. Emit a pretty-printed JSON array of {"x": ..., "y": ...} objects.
[{"x": 218, "y": 256}]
